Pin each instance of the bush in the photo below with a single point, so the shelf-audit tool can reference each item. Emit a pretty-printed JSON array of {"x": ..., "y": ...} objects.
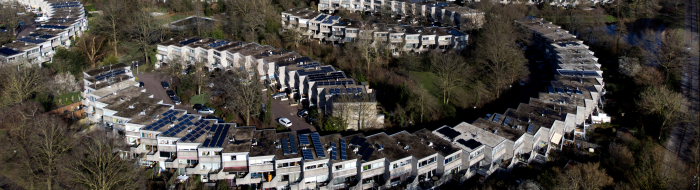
[
  {"x": 281, "y": 128},
  {"x": 200, "y": 99},
  {"x": 228, "y": 117}
]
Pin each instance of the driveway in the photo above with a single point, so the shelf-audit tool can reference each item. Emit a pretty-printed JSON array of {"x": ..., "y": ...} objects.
[
  {"x": 152, "y": 85},
  {"x": 284, "y": 109}
]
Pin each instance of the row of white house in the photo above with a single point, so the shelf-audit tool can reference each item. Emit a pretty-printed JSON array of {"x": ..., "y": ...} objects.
[
  {"x": 67, "y": 19},
  {"x": 333, "y": 29},
  {"x": 407, "y": 7}
]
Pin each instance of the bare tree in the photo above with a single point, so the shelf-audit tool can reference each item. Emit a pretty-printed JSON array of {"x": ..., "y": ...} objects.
[
  {"x": 355, "y": 110},
  {"x": 13, "y": 14},
  {"x": 365, "y": 42},
  {"x": 662, "y": 103},
  {"x": 423, "y": 103},
  {"x": 114, "y": 11},
  {"x": 628, "y": 66},
  {"x": 91, "y": 46},
  {"x": 587, "y": 176},
  {"x": 96, "y": 164},
  {"x": 451, "y": 71},
  {"x": 145, "y": 28},
  {"x": 18, "y": 84},
  {"x": 64, "y": 83},
  {"x": 241, "y": 90}
]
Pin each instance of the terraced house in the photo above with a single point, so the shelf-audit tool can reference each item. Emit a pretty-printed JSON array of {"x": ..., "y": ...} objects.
[
  {"x": 302, "y": 78},
  {"x": 66, "y": 20},
  {"x": 397, "y": 37}
]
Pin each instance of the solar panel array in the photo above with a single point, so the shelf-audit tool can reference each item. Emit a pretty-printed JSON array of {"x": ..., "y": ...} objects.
[
  {"x": 507, "y": 122},
  {"x": 46, "y": 36},
  {"x": 8, "y": 51},
  {"x": 333, "y": 18},
  {"x": 189, "y": 41},
  {"x": 31, "y": 40},
  {"x": 367, "y": 154},
  {"x": 364, "y": 148},
  {"x": 449, "y": 132},
  {"x": 285, "y": 146},
  {"x": 332, "y": 83},
  {"x": 327, "y": 22},
  {"x": 292, "y": 144},
  {"x": 321, "y": 17},
  {"x": 198, "y": 131},
  {"x": 354, "y": 140},
  {"x": 322, "y": 70},
  {"x": 113, "y": 73},
  {"x": 579, "y": 73},
  {"x": 64, "y": 6},
  {"x": 66, "y": 3},
  {"x": 168, "y": 117},
  {"x": 220, "y": 131},
  {"x": 304, "y": 140},
  {"x": 309, "y": 66},
  {"x": 334, "y": 152},
  {"x": 496, "y": 118},
  {"x": 327, "y": 76},
  {"x": 179, "y": 127},
  {"x": 308, "y": 155},
  {"x": 343, "y": 150},
  {"x": 219, "y": 43},
  {"x": 530, "y": 128},
  {"x": 345, "y": 90},
  {"x": 53, "y": 27},
  {"x": 316, "y": 139}
]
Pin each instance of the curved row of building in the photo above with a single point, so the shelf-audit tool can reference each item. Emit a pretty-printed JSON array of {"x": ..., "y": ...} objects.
[{"x": 66, "y": 20}]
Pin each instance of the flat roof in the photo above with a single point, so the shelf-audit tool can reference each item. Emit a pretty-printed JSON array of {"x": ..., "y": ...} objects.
[
  {"x": 391, "y": 151},
  {"x": 151, "y": 112},
  {"x": 263, "y": 143},
  {"x": 439, "y": 144},
  {"x": 417, "y": 148},
  {"x": 103, "y": 89},
  {"x": 469, "y": 131},
  {"x": 242, "y": 139},
  {"x": 279, "y": 152},
  {"x": 104, "y": 69}
]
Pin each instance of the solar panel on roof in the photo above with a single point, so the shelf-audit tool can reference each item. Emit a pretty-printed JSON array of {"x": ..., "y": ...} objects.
[
  {"x": 368, "y": 154},
  {"x": 292, "y": 144},
  {"x": 285, "y": 146},
  {"x": 449, "y": 132},
  {"x": 303, "y": 140},
  {"x": 530, "y": 127},
  {"x": 363, "y": 148},
  {"x": 354, "y": 140},
  {"x": 471, "y": 143},
  {"x": 361, "y": 141},
  {"x": 497, "y": 118},
  {"x": 222, "y": 137},
  {"x": 334, "y": 152},
  {"x": 507, "y": 122},
  {"x": 316, "y": 139},
  {"x": 308, "y": 155},
  {"x": 343, "y": 151},
  {"x": 206, "y": 142}
]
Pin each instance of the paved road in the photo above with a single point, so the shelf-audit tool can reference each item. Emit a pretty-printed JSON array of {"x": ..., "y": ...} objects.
[
  {"x": 152, "y": 84},
  {"x": 682, "y": 134},
  {"x": 283, "y": 109}
]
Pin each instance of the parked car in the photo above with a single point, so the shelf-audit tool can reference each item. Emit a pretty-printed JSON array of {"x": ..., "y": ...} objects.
[
  {"x": 206, "y": 110},
  {"x": 141, "y": 84},
  {"x": 164, "y": 84},
  {"x": 197, "y": 107},
  {"x": 279, "y": 95},
  {"x": 170, "y": 93},
  {"x": 302, "y": 113},
  {"x": 176, "y": 100},
  {"x": 285, "y": 122},
  {"x": 310, "y": 120},
  {"x": 218, "y": 120}
]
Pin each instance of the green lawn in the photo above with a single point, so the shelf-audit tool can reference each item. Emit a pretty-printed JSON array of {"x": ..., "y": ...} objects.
[
  {"x": 90, "y": 8},
  {"x": 66, "y": 99},
  {"x": 426, "y": 79}
]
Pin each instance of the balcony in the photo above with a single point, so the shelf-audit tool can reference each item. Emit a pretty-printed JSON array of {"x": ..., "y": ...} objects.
[
  {"x": 210, "y": 158},
  {"x": 338, "y": 33}
]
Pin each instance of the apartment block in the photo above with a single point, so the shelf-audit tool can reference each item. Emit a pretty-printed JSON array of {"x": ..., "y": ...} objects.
[
  {"x": 66, "y": 19},
  {"x": 399, "y": 38}
]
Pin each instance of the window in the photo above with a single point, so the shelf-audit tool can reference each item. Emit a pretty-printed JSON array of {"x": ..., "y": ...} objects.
[
  {"x": 287, "y": 164},
  {"x": 217, "y": 54},
  {"x": 338, "y": 168},
  {"x": 229, "y": 55},
  {"x": 498, "y": 148},
  {"x": 476, "y": 154},
  {"x": 261, "y": 161},
  {"x": 311, "y": 167},
  {"x": 400, "y": 164},
  {"x": 427, "y": 162},
  {"x": 426, "y": 38},
  {"x": 203, "y": 52},
  {"x": 190, "y": 50},
  {"x": 453, "y": 158},
  {"x": 372, "y": 166}
]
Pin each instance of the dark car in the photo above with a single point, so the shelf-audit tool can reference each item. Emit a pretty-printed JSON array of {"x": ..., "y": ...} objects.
[
  {"x": 310, "y": 120},
  {"x": 197, "y": 107},
  {"x": 176, "y": 100},
  {"x": 141, "y": 84},
  {"x": 302, "y": 113},
  {"x": 170, "y": 93},
  {"x": 164, "y": 84}
]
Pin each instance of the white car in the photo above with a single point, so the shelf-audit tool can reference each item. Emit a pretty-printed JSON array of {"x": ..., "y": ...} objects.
[
  {"x": 285, "y": 122},
  {"x": 206, "y": 110}
]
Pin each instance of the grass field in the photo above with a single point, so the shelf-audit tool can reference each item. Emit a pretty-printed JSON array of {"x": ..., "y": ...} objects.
[
  {"x": 426, "y": 79},
  {"x": 66, "y": 99}
]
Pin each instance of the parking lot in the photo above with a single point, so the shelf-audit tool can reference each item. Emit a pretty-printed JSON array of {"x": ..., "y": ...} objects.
[
  {"x": 284, "y": 109},
  {"x": 152, "y": 85}
]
